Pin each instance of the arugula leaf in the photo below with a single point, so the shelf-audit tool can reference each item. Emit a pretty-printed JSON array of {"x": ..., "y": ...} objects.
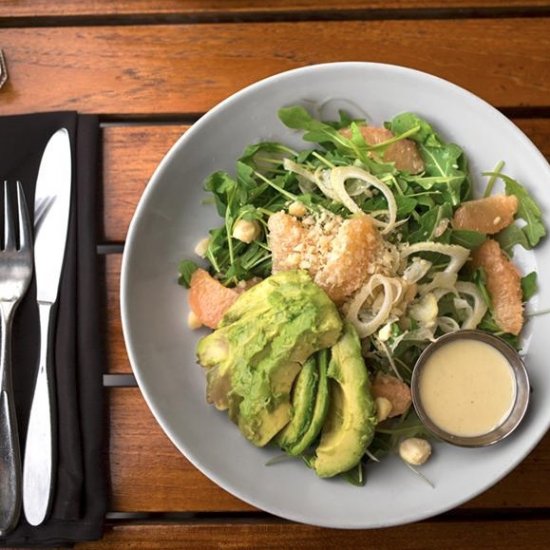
[
  {"x": 492, "y": 180},
  {"x": 489, "y": 324},
  {"x": 480, "y": 279},
  {"x": 405, "y": 205},
  {"x": 425, "y": 134},
  {"x": 356, "y": 475},
  {"x": 265, "y": 157},
  {"x": 408, "y": 425},
  {"x": 186, "y": 270},
  {"x": 298, "y": 118},
  {"x": 223, "y": 187},
  {"x": 528, "y": 209},
  {"x": 467, "y": 239},
  {"x": 389, "y": 433},
  {"x": 529, "y": 285},
  {"x": 443, "y": 162},
  {"x": 510, "y": 236},
  {"x": 429, "y": 222},
  {"x": 355, "y": 148}
]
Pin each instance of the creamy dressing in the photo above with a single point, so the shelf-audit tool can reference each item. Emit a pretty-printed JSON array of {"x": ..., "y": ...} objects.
[{"x": 467, "y": 388}]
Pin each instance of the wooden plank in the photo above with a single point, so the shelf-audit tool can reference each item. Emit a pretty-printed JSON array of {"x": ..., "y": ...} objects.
[
  {"x": 117, "y": 357},
  {"x": 141, "y": 456},
  {"x": 130, "y": 155},
  {"x": 31, "y": 8},
  {"x": 190, "y": 68},
  {"x": 277, "y": 535}
]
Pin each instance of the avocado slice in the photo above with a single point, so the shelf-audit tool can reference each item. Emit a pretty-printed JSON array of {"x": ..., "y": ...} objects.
[
  {"x": 263, "y": 340},
  {"x": 351, "y": 419},
  {"x": 303, "y": 404},
  {"x": 319, "y": 411}
]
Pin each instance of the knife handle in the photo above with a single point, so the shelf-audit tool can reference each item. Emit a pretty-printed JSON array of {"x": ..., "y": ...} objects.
[
  {"x": 40, "y": 448},
  {"x": 10, "y": 460}
]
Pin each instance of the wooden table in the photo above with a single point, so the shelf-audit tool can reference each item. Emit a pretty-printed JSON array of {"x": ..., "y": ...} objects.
[{"x": 150, "y": 69}]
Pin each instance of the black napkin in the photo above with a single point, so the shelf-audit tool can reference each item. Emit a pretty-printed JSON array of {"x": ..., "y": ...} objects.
[{"x": 79, "y": 503}]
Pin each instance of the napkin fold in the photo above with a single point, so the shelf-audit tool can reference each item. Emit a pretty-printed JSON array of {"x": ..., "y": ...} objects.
[{"x": 79, "y": 503}]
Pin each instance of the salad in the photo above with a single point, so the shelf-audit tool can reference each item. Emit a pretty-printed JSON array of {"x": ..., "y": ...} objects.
[{"x": 361, "y": 249}]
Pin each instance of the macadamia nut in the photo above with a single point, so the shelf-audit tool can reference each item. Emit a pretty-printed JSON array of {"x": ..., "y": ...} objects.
[{"x": 415, "y": 450}]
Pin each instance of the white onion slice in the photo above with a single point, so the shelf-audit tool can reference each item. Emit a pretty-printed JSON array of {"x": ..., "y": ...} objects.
[
  {"x": 457, "y": 253},
  {"x": 324, "y": 183},
  {"x": 340, "y": 174},
  {"x": 366, "y": 328},
  {"x": 418, "y": 269},
  {"x": 480, "y": 307},
  {"x": 441, "y": 280},
  {"x": 421, "y": 334},
  {"x": 292, "y": 166},
  {"x": 440, "y": 292},
  {"x": 447, "y": 324}
]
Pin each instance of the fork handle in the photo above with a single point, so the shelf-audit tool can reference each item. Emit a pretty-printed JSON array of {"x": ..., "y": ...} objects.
[
  {"x": 10, "y": 459},
  {"x": 38, "y": 472}
]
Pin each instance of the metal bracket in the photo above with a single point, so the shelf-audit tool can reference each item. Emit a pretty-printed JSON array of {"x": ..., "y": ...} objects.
[{"x": 3, "y": 69}]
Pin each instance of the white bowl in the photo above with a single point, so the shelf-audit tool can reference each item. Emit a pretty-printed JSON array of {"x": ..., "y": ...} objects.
[{"x": 169, "y": 221}]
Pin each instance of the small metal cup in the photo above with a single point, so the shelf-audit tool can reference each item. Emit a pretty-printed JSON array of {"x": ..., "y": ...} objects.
[{"x": 517, "y": 411}]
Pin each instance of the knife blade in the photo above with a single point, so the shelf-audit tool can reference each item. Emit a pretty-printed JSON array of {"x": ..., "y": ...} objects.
[{"x": 51, "y": 221}]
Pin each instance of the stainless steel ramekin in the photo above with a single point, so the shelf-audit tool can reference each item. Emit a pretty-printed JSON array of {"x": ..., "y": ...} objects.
[{"x": 517, "y": 411}]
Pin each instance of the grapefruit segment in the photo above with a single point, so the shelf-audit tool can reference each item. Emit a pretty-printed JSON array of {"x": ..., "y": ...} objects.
[
  {"x": 487, "y": 215},
  {"x": 503, "y": 284},
  {"x": 403, "y": 153},
  {"x": 394, "y": 390},
  {"x": 209, "y": 299}
]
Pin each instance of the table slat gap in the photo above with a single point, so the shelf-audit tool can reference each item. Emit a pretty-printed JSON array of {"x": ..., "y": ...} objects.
[{"x": 135, "y": 12}]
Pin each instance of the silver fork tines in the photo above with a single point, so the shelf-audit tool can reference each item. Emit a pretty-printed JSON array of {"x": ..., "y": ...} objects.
[{"x": 16, "y": 266}]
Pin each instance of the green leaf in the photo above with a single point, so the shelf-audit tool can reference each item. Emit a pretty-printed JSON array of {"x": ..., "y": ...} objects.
[
  {"x": 427, "y": 201},
  {"x": 223, "y": 187},
  {"x": 405, "y": 205},
  {"x": 265, "y": 157},
  {"x": 298, "y": 118},
  {"x": 320, "y": 132},
  {"x": 428, "y": 223},
  {"x": 467, "y": 239},
  {"x": 492, "y": 180},
  {"x": 408, "y": 425},
  {"x": 443, "y": 162},
  {"x": 528, "y": 209},
  {"x": 489, "y": 324},
  {"x": 510, "y": 237},
  {"x": 529, "y": 285},
  {"x": 186, "y": 270},
  {"x": 356, "y": 475},
  {"x": 389, "y": 433},
  {"x": 480, "y": 279},
  {"x": 425, "y": 134},
  {"x": 345, "y": 120}
]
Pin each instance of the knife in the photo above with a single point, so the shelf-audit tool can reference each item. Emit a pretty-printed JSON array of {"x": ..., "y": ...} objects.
[{"x": 51, "y": 220}]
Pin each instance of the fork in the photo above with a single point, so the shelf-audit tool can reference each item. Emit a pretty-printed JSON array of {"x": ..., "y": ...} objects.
[{"x": 16, "y": 266}]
